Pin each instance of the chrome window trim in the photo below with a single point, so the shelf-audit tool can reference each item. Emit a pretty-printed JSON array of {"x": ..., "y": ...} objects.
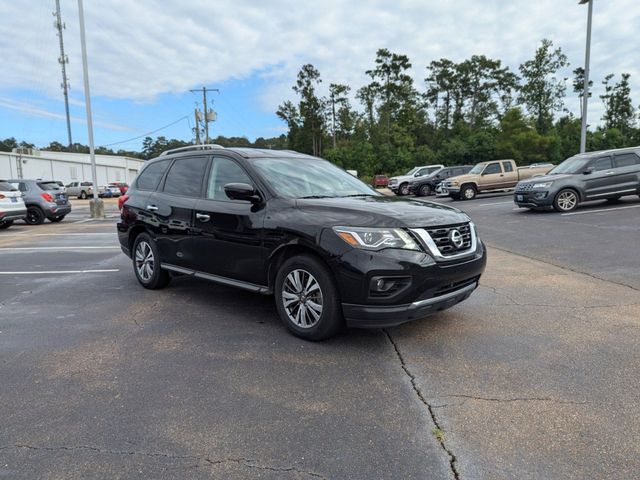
[{"x": 432, "y": 248}]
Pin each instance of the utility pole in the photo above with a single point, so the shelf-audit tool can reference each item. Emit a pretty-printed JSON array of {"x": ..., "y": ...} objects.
[
  {"x": 63, "y": 60},
  {"x": 209, "y": 116},
  {"x": 585, "y": 95},
  {"x": 197, "y": 115},
  {"x": 96, "y": 206}
]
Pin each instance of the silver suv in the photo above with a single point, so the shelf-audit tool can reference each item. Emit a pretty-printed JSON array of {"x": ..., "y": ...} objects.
[{"x": 43, "y": 199}]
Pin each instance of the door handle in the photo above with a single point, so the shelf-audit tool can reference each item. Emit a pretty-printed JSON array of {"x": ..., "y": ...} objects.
[
  {"x": 152, "y": 208},
  {"x": 203, "y": 217},
  {"x": 610, "y": 173}
]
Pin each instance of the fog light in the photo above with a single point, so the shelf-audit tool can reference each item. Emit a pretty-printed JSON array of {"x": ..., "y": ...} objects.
[
  {"x": 541, "y": 195},
  {"x": 387, "y": 286}
]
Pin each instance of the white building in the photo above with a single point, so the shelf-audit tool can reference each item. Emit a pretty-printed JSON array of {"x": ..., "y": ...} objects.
[{"x": 68, "y": 167}]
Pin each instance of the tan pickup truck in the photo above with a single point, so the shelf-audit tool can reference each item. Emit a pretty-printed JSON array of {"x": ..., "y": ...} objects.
[{"x": 493, "y": 176}]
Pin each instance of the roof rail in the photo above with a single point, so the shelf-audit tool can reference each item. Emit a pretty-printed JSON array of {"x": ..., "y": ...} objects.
[{"x": 206, "y": 146}]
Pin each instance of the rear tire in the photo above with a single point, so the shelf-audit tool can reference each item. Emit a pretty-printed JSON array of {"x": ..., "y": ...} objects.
[
  {"x": 5, "y": 225},
  {"x": 146, "y": 263},
  {"x": 307, "y": 299},
  {"x": 35, "y": 216},
  {"x": 425, "y": 190},
  {"x": 57, "y": 219},
  {"x": 83, "y": 195},
  {"x": 566, "y": 200},
  {"x": 468, "y": 192}
]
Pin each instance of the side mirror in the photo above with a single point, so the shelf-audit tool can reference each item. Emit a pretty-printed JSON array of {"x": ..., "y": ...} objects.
[
  {"x": 241, "y": 191},
  {"x": 589, "y": 170}
]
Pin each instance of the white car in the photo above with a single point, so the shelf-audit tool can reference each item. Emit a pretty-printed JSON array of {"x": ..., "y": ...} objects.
[
  {"x": 112, "y": 190},
  {"x": 12, "y": 205},
  {"x": 400, "y": 185}
]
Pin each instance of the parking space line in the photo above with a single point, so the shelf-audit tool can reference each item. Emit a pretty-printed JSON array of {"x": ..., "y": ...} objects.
[
  {"x": 600, "y": 210},
  {"x": 495, "y": 203},
  {"x": 30, "y": 249},
  {"x": 61, "y": 272},
  {"x": 28, "y": 234}
]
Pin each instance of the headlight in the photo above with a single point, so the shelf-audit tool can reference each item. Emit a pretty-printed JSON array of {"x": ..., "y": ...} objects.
[
  {"x": 376, "y": 238},
  {"x": 542, "y": 185}
]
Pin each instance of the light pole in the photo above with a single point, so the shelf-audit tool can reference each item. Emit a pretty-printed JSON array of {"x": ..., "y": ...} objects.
[
  {"x": 96, "y": 205},
  {"x": 585, "y": 94}
]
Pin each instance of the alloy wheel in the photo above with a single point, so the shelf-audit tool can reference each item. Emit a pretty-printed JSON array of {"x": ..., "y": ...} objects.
[
  {"x": 567, "y": 200},
  {"x": 404, "y": 189},
  {"x": 144, "y": 261},
  {"x": 302, "y": 298}
]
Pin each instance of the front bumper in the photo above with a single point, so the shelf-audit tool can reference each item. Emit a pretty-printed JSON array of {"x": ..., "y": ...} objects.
[
  {"x": 533, "y": 199},
  {"x": 380, "y": 316},
  {"x": 432, "y": 285}
]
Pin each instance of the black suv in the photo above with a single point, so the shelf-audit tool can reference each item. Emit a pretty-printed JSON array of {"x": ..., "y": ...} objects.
[
  {"x": 425, "y": 186},
  {"x": 330, "y": 249},
  {"x": 605, "y": 175}
]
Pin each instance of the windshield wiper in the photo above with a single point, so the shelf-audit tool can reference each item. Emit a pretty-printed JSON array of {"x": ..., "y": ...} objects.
[
  {"x": 316, "y": 196},
  {"x": 356, "y": 195}
]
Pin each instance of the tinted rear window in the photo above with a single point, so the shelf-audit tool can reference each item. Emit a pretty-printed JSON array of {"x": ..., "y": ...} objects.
[
  {"x": 626, "y": 160},
  {"x": 48, "y": 185},
  {"x": 185, "y": 177},
  {"x": 151, "y": 176}
]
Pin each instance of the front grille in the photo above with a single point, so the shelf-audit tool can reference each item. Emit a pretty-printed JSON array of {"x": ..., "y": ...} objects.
[
  {"x": 442, "y": 238},
  {"x": 452, "y": 287},
  {"x": 524, "y": 187}
]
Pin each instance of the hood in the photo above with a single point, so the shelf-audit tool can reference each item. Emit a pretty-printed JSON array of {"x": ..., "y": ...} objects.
[
  {"x": 379, "y": 211},
  {"x": 402, "y": 178},
  {"x": 462, "y": 178},
  {"x": 549, "y": 178}
]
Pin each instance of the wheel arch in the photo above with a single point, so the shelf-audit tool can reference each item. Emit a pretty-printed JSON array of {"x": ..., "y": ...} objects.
[{"x": 284, "y": 252}]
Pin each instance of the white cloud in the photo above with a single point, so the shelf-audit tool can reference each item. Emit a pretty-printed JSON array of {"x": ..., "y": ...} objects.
[{"x": 138, "y": 50}]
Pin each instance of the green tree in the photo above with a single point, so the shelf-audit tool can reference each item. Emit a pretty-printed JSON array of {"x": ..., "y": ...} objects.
[
  {"x": 543, "y": 92},
  {"x": 339, "y": 110},
  {"x": 618, "y": 107}
]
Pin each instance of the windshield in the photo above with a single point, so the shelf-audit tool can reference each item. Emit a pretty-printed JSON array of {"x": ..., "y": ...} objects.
[
  {"x": 571, "y": 165},
  {"x": 309, "y": 178},
  {"x": 7, "y": 187},
  {"x": 412, "y": 171},
  {"x": 477, "y": 170}
]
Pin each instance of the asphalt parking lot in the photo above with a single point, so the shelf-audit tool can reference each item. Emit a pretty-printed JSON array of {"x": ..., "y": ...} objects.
[{"x": 535, "y": 376}]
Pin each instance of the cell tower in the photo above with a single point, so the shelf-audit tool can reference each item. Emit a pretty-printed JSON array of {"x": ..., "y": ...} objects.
[{"x": 63, "y": 60}]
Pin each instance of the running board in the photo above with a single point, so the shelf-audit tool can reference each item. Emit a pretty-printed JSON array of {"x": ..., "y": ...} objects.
[{"x": 252, "y": 287}]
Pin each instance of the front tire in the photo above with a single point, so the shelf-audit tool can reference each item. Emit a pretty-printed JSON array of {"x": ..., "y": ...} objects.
[
  {"x": 425, "y": 190},
  {"x": 35, "y": 216},
  {"x": 468, "y": 192},
  {"x": 566, "y": 200},
  {"x": 403, "y": 189},
  {"x": 307, "y": 299},
  {"x": 146, "y": 263}
]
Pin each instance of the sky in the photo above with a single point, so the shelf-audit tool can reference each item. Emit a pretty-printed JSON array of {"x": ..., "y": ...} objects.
[{"x": 145, "y": 56}]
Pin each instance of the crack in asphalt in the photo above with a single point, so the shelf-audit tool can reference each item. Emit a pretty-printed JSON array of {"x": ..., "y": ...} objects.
[
  {"x": 430, "y": 409},
  {"x": 520, "y": 399},
  {"x": 547, "y": 305},
  {"x": 564, "y": 267},
  {"x": 249, "y": 463}
]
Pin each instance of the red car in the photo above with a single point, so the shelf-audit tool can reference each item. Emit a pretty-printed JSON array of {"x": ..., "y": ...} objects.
[
  {"x": 380, "y": 181},
  {"x": 121, "y": 185}
]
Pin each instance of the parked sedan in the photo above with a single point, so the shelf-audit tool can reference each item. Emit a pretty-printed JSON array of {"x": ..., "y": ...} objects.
[
  {"x": 43, "y": 200},
  {"x": 12, "y": 206},
  {"x": 380, "y": 181},
  {"x": 112, "y": 190}
]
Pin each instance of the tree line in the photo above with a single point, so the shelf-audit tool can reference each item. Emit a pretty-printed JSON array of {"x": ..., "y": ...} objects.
[{"x": 466, "y": 112}]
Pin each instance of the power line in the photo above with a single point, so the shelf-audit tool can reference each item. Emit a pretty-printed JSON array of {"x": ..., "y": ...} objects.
[{"x": 148, "y": 133}]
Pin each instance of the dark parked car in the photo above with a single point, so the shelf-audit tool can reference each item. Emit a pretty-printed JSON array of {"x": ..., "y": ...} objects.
[
  {"x": 425, "y": 186},
  {"x": 331, "y": 250},
  {"x": 43, "y": 199},
  {"x": 605, "y": 175}
]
